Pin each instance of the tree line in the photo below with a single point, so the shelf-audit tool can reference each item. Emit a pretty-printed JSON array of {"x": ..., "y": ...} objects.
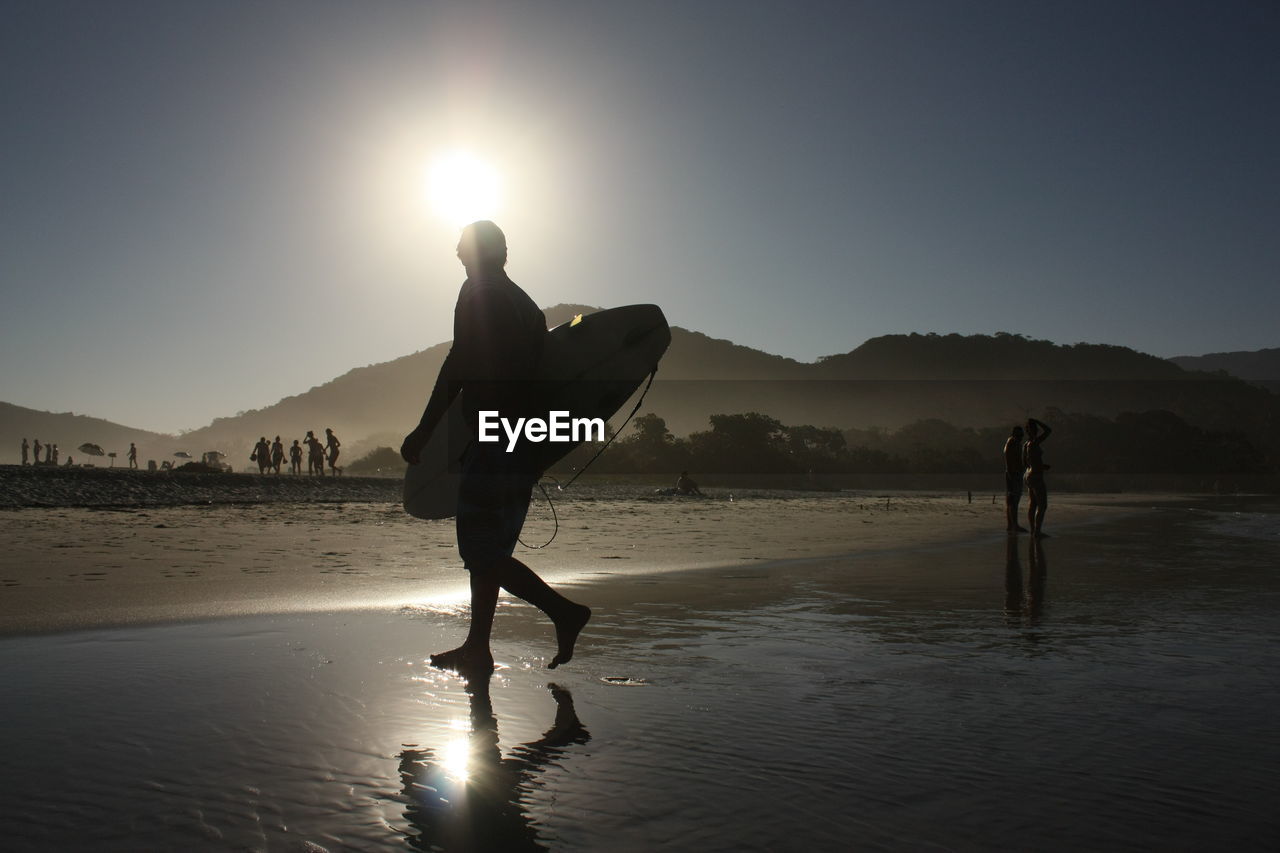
[{"x": 748, "y": 443}]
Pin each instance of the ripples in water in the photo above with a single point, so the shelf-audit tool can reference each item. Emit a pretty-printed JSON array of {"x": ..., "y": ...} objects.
[{"x": 1113, "y": 688}]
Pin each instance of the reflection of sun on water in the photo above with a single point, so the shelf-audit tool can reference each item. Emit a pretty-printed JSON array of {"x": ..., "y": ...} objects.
[
  {"x": 464, "y": 188},
  {"x": 455, "y": 758}
]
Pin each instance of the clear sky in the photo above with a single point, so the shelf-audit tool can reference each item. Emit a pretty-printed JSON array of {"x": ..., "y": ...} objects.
[{"x": 207, "y": 206}]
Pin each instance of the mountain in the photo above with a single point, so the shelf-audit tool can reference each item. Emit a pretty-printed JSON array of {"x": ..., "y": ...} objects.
[
  {"x": 376, "y": 405},
  {"x": 887, "y": 382},
  {"x": 1261, "y": 367},
  {"x": 69, "y": 430}
]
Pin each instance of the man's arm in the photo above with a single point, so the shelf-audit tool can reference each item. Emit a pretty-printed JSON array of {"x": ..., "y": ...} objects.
[
  {"x": 448, "y": 383},
  {"x": 1044, "y": 430}
]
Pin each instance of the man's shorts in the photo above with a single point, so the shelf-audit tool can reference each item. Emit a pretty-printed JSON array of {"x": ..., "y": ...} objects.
[
  {"x": 1013, "y": 485},
  {"x": 493, "y": 499}
]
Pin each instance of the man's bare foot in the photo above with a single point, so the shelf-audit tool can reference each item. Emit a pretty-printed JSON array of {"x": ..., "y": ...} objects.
[
  {"x": 568, "y": 627},
  {"x": 465, "y": 661}
]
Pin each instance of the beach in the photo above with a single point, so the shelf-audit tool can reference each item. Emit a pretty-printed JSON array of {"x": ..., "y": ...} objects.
[{"x": 783, "y": 671}]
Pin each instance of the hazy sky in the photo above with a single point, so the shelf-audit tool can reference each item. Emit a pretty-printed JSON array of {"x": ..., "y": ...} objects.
[{"x": 207, "y": 206}]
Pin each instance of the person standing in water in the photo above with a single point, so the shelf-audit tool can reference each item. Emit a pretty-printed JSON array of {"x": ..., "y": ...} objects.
[
  {"x": 1033, "y": 459},
  {"x": 498, "y": 333},
  {"x": 1014, "y": 470},
  {"x": 295, "y": 457}
]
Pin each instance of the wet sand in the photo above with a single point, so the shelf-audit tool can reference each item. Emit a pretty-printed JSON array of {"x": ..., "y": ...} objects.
[
  {"x": 1111, "y": 689},
  {"x": 77, "y": 567}
]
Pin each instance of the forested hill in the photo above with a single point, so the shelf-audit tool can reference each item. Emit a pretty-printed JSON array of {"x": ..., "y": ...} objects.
[
  {"x": 999, "y": 356},
  {"x": 887, "y": 382},
  {"x": 1261, "y": 367}
]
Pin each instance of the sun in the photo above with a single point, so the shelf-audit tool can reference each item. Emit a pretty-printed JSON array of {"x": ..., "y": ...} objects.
[{"x": 463, "y": 188}]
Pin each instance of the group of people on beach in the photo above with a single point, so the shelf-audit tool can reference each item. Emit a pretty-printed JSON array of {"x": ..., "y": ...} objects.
[
  {"x": 270, "y": 455},
  {"x": 50, "y": 452},
  {"x": 1024, "y": 465}
]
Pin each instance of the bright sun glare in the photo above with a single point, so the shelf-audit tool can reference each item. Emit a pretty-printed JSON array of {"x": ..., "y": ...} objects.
[{"x": 464, "y": 188}]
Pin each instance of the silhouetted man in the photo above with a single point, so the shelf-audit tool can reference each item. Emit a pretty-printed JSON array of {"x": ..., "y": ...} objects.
[
  {"x": 133, "y": 455},
  {"x": 26, "y": 449},
  {"x": 498, "y": 333},
  {"x": 1013, "y": 473},
  {"x": 262, "y": 455},
  {"x": 1033, "y": 459},
  {"x": 332, "y": 443}
]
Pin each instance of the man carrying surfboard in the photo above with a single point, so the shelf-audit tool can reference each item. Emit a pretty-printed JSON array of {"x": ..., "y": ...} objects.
[{"x": 498, "y": 334}]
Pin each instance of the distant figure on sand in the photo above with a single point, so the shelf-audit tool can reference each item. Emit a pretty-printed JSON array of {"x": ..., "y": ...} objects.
[
  {"x": 1013, "y": 474},
  {"x": 262, "y": 454},
  {"x": 686, "y": 486},
  {"x": 332, "y": 443},
  {"x": 133, "y": 455},
  {"x": 53, "y": 454},
  {"x": 1033, "y": 459},
  {"x": 277, "y": 454},
  {"x": 295, "y": 457},
  {"x": 315, "y": 455},
  {"x": 26, "y": 449},
  {"x": 498, "y": 333},
  {"x": 37, "y": 450}
]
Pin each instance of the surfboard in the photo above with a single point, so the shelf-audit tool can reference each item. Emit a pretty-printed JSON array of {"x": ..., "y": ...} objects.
[{"x": 590, "y": 366}]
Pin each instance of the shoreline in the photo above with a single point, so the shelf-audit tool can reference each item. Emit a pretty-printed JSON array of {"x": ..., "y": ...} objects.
[
  {"x": 43, "y": 487},
  {"x": 157, "y": 565},
  {"x": 923, "y": 683},
  {"x": 46, "y": 487}
]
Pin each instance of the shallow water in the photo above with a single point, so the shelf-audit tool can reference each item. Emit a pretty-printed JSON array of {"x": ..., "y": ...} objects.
[{"x": 1113, "y": 689}]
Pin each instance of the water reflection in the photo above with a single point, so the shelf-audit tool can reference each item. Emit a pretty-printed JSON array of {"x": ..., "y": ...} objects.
[
  {"x": 466, "y": 796},
  {"x": 1024, "y": 606}
]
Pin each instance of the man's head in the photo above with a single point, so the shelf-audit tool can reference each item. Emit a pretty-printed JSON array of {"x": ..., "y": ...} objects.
[
  {"x": 483, "y": 246},
  {"x": 1016, "y": 432}
]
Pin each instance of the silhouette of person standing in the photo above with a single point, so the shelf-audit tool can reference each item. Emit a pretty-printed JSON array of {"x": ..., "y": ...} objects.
[
  {"x": 37, "y": 448},
  {"x": 498, "y": 333},
  {"x": 262, "y": 454},
  {"x": 1013, "y": 474},
  {"x": 52, "y": 454},
  {"x": 315, "y": 455},
  {"x": 295, "y": 457},
  {"x": 133, "y": 455},
  {"x": 1033, "y": 459},
  {"x": 277, "y": 455},
  {"x": 26, "y": 449},
  {"x": 332, "y": 443}
]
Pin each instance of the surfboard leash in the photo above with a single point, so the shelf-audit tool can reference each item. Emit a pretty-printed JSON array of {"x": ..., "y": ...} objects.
[{"x": 560, "y": 488}]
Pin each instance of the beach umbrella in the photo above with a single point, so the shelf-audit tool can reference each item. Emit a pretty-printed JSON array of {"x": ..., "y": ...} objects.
[
  {"x": 182, "y": 454},
  {"x": 91, "y": 449},
  {"x": 112, "y": 454}
]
